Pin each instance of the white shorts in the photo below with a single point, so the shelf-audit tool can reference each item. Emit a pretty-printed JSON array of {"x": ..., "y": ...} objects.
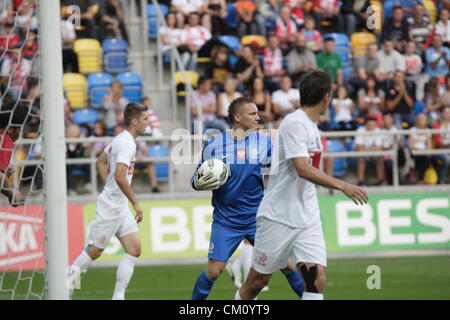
[
  {"x": 275, "y": 243},
  {"x": 106, "y": 225}
]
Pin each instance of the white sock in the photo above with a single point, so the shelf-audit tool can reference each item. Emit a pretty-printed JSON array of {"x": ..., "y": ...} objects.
[
  {"x": 246, "y": 258},
  {"x": 312, "y": 296},
  {"x": 237, "y": 296},
  {"x": 124, "y": 273},
  {"x": 81, "y": 264},
  {"x": 83, "y": 261}
]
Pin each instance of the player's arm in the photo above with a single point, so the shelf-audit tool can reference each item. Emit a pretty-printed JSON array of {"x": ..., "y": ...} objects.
[
  {"x": 102, "y": 166},
  {"x": 308, "y": 172},
  {"x": 120, "y": 175}
]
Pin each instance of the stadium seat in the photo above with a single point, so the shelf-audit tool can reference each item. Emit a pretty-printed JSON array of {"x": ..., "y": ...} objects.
[
  {"x": 339, "y": 168},
  {"x": 346, "y": 71},
  {"x": 98, "y": 85},
  {"x": 85, "y": 117},
  {"x": 258, "y": 42},
  {"x": 162, "y": 168},
  {"x": 419, "y": 107},
  {"x": 203, "y": 59},
  {"x": 179, "y": 82},
  {"x": 350, "y": 146},
  {"x": 342, "y": 46},
  {"x": 89, "y": 55},
  {"x": 231, "y": 42},
  {"x": 75, "y": 86},
  {"x": 233, "y": 59},
  {"x": 115, "y": 55},
  {"x": 359, "y": 42},
  {"x": 132, "y": 86},
  {"x": 388, "y": 5},
  {"x": 231, "y": 19},
  {"x": 380, "y": 11},
  {"x": 152, "y": 17},
  {"x": 431, "y": 9}
]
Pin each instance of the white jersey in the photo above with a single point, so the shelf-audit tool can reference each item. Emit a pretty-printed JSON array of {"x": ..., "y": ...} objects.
[
  {"x": 289, "y": 199},
  {"x": 121, "y": 150}
]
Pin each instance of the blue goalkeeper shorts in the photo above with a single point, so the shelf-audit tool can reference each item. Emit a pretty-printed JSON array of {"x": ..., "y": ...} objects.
[{"x": 224, "y": 240}]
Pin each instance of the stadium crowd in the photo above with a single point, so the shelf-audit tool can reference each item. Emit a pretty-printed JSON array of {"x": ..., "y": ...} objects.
[{"x": 388, "y": 75}]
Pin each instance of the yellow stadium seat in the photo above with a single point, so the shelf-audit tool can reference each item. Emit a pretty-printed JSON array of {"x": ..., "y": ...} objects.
[
  {"x": 203, "y": 59},
  {"x": 89, "y": 54},
  {"x": 178, "y": 79},
  {"x": 359, "y": 42},
  {"x": 254, "y": 39},
  {"x": 430, "y": 7},
  {"x": 378, "y": 9},
  {"x": 75, "y": 86}
]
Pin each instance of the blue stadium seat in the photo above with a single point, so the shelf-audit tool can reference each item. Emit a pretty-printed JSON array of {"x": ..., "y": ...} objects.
[
  {"x": 152, "y": 16},
  {"x": 232, "y": 42},
  {"x": 233, "y": 60},
  {"x": 231, "y": 19},
  {"x": 350, "y": 146},
  {"x": 98, "y": 86},
  {"x": 115, "y": 55},
  {"x": 419, "y": 107},
  {"x": 342, "y": 46},
  {"x": 132, "y": 86},
  {"x": 388, "y": 5},
  {"x": 346, "y": 71},
  {"x": 162, "y": 168},
  {"x": 85, "y": 117},
  {"x": 340, "y": 167}
]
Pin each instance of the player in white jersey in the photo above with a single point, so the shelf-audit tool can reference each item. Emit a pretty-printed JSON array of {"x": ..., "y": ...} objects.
[
  {"x": 288, "y": 219},
  {"x": 113, "y": 217}
]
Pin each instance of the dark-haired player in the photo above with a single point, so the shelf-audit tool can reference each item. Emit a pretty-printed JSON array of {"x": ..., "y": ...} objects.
[
  {"x": 112, "y": 216},
  {"x": 288, "y": 219}
]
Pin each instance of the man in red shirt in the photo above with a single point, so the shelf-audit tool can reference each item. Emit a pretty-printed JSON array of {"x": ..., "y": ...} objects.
[{"x": 10, "y": 128}]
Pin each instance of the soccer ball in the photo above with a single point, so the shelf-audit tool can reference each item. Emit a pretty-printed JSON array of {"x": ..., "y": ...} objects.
[{"x": 217, "y": 167}]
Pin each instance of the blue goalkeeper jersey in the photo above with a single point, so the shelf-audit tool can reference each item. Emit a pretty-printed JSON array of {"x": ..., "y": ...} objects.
[{"x": 237, "y": 201}]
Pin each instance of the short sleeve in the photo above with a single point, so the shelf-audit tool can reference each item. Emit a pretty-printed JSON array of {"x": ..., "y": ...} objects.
[
  {"x": 294, "y": 139},
  {"x": 125, "y": 153}
]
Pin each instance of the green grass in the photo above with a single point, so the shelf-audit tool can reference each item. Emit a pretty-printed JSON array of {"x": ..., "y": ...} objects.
[{"x": 401, "y": 278}]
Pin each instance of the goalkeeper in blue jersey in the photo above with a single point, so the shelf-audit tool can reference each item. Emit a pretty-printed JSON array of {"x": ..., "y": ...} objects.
[{"x": 236, "y": 202}]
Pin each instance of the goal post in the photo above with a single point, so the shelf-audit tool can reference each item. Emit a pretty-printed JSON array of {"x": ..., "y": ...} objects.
[{"x": 55, "y": 148}]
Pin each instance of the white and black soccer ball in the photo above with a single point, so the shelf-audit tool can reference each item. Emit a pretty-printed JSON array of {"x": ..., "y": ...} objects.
[{"x": 219, "y": 169}]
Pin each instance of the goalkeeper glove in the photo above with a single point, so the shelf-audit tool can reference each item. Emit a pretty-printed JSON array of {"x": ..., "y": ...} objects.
[{"x": 207, "y": 182}]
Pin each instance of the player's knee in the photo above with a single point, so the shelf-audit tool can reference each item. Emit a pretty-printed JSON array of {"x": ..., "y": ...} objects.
[
  {"x": 214, "y": 273},
  {"x": 94, "y": 253},
  {"x": 135, "y": 252}
]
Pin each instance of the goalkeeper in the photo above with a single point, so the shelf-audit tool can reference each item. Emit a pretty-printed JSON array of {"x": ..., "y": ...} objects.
[
  {"x": 236, "y": 202},
  {"x": 13, "y": 117}
]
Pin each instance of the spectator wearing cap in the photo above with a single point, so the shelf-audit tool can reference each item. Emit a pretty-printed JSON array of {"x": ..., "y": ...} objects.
[
  {"x": 400, "y": 100},
  {"x": 438, "y": 58},
  {"x": 369, "y": 143},
  {"x": 397, "y": 28},
  {"x": 330, "y": 62}
]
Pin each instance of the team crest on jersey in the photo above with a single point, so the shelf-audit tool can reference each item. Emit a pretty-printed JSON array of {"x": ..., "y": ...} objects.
[
  {"x": 262, "y": 259},
  {"x": 240, "y": 154},
  {"x": 211, "y": 247}
]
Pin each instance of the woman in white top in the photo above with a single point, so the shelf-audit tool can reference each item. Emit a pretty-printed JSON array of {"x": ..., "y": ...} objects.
[
  {"x": 343, "y": 108},
  {"x": 414, "y": 69},
  {"x": 371, "y": 101},
  {"x": 420, "y": 141},
  {"x": 171, "y": 35},
  {"x": 225, "y": 98},
  {"x": 443, "y": 26}
]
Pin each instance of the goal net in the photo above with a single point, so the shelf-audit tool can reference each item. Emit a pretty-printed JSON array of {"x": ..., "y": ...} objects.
[{"x": 22, "y": 230}]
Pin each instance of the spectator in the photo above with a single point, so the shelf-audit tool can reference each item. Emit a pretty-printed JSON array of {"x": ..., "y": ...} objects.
[
  {"x": 354, "y": 12},
  {"x": 6, "y": 13},
  {"x": 420, "y": 26},
  {"x": 420, "y": 141},
  {"x": 414, "y": 69},
  {"x": 76, "y": 150},
  {"x": 285, "y": 100},
  {"x": 327, "y": 10},
  {"x": 247, "y": 67},
  {"x": 369, "y": 143},
  {"x": 68, "y": 114},
  {"x": 433, "y": 100},
  {"x": 297, "y": 13},
  {"x": 390, "y": 61},
  {"x": 261, "y": 99},
  {"x": 68, "y": 37},
  {"x": 343, "y": 108},
  {"x": 286, "y": 29},
  {"x": 446, "y": 93},
  {"x": 300, "y": 59},
  {"x": 443, "y": 26},
  {"x": 272, "y": 63},
  {"x": 185, "y": 8},
  {"x": 442, "y": 141},
  {"x": 313, "y": 36},
  {"x": 363, "y": 66},
  {"x": 172, "y": 36},
  {"x": 217, "y": 11},
  {"x": 370, "y": 101},
  {"x": 438, "y": 58},
  {"x": 396, "y": 28},
  {"x": 14, "y": 73},
  {"x": 407, "y": 6},
  {"x": 8, "y": 38},
  {"x": 114, "y": 104},
  {"x": 205, "y": 99},
  {"x": 196, "y": 37},
  {"x": 225, "y": 98},
  {"x": 400, "y": 100},
  {"x": 219, "y": 69},
  {"x": 112, "y": 21},
  {"x": 330, "y": 62},
  {"x": 87, "y": 15},
  {"x": 99, "y": 131},
  {"x": 388, "y": 143},
  {"x": 246, "y": 12},
  {"x": 31, "y": 46},
  {"x": 25, "y": 19}
]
